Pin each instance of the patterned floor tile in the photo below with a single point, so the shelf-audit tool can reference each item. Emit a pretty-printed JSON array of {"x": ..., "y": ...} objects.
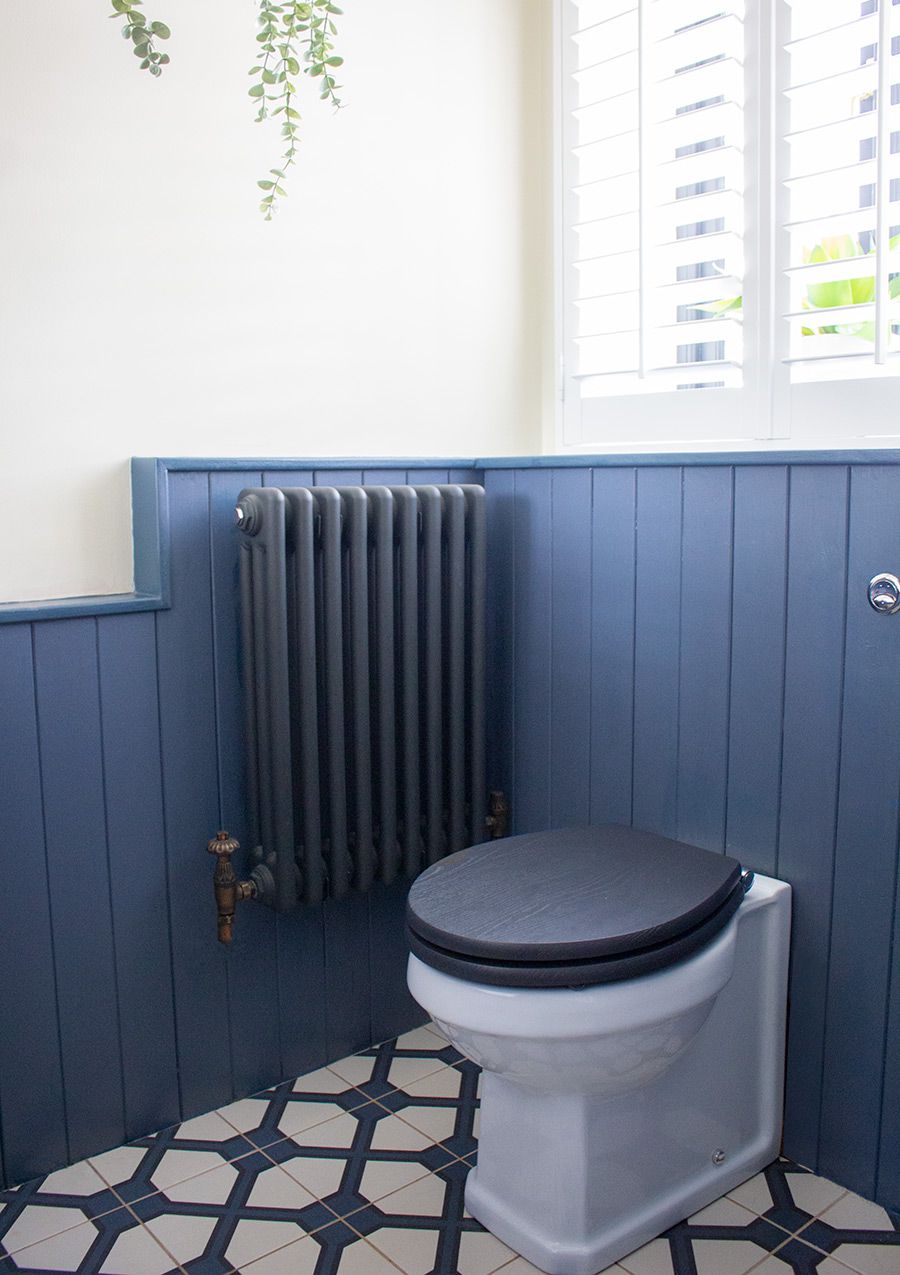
[
  {"x": 397, "y": 1063},
  {"x": 48, "y": 1206},
  {"x": 859, "y": 1234},
  {"x": 115, "y": 1244},
  {"x": 423, "y": 1228},
  {"x": 357, "y": 1155},
  {"x": 293, "y": 1106},
  {"x": 336, "y": 1247},
  {"x": 787, "y": 1195},
  {"x": 164, "y": 1159},
  {"x": 801, "y": 1260},
  {"x": 232, "y": 1215}
]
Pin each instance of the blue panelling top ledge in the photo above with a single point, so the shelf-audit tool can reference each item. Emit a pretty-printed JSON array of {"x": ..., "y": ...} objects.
[{"x": 150, "y": 503}]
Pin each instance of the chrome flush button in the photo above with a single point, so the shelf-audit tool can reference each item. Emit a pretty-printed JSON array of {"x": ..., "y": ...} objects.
[{"x": 884, "y": 593}]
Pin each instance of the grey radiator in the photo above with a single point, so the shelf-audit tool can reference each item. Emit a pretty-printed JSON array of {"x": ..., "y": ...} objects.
[{"x": 363, "y": 662}]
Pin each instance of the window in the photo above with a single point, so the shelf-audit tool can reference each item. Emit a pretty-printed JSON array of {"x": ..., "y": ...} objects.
[{"x": 730, "y": 220}]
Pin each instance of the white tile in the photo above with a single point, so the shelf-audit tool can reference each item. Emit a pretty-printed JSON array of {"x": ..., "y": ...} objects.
[
  {"x": 117, "y": 1166},
  {"x": 39, "y": 1222},
  {"x": 424, "y": 1198},
  {"x": 773, "y": 1265},
  {"x": 437, "y": 1122},
  {"x": 213, "y": 1187},
  {"x": 436, "y": 1031},
  {"x": 208, "y": 1128},
  {"x": 406, "y": 1071},
  {"x": 362, "y": 1259},
  {"x": 852, "y": 1212},
  {"x": 298, "y": 1258},
  {"x": 754, "y": 1194},
  {"x": 254, "y": 1239},
  {"x": 723, "y": 1212},
  {"x": 412, "y": 1250},
  {"x": 61, "y": 1252},
  {"x": 246, "y": 1113},
  {"x": 319, "y": 1175},
  {"x": 421, "y": 1038},
  {"x": 184, "y": 1237},
  {"x": 812, "y": 1193},
  {"x": 480, "y": 1253},
  {"x": 178, "y": 1166},
  {"x": 77, "y": 1179},
  {"x": 869, "y": 1259},
  {"x": 653, "y": 1259},
  {"x": 394, "y": 1134},
  {"x": 274, "y": 1189},
  {"x": 337, "y": 1132},
  {"x": 298, "y": 1116},
  {"x": 136, "y": 1252},
  {"x": 726, "y": 1257},
  {"x": 324, "y": 1081},
  {"x": 383, "y": 1177},
  {"x": 355, "y": 1070},
  {"x": 446, "y": 1082}
]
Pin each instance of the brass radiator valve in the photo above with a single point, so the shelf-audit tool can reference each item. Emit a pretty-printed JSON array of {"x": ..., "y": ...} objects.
[
  {"x": 497, "y": 821},
  {"x": 228, "y": 890}
]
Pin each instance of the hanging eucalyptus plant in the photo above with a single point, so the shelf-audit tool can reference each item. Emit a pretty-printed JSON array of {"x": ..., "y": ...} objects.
[{"x": 294, "y": 39}]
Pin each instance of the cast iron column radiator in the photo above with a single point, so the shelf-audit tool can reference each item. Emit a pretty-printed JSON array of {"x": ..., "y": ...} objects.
[{"x": 362, "y": 613}]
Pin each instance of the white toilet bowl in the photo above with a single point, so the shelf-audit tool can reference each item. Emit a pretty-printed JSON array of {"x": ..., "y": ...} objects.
[{"x": 614, "y": 1109}]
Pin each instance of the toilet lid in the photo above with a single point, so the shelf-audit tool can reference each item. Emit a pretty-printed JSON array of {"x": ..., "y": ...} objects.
[{"x": 574, "y": 895}]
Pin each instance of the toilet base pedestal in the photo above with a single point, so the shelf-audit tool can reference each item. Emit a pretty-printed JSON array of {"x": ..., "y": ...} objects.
[
  {"x": 575, "y": 1182},
  {"x": 606, "y": 1178}
]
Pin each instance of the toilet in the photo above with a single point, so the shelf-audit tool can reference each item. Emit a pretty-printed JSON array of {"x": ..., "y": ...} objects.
[{"x": 625, "y": 995}]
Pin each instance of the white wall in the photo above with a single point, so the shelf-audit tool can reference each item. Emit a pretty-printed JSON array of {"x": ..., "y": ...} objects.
[{"x": 392, "y": 308}]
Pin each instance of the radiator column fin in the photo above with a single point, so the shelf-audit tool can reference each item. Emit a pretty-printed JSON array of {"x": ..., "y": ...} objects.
[
  {"x": 328, "y": 503},
  {"x": 407, "y": 506}
]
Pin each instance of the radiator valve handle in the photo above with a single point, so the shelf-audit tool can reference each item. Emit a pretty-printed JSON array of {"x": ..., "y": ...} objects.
[
  {"x": 497, "y": 821},
  {"x": 228, "y": 890}
]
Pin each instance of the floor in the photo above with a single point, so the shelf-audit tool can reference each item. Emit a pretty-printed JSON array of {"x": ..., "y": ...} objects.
[{"x": 359, "y": 1168}]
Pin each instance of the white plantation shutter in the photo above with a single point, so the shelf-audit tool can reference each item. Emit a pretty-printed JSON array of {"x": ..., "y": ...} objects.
[
  {"x": 842, "y": 208},
  {"x": 653, "y": 208},
  {"x": 729, "y": 228}
]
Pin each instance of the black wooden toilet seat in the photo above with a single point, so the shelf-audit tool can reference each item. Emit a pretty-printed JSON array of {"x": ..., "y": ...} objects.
[{"x": 570, "y": 908}]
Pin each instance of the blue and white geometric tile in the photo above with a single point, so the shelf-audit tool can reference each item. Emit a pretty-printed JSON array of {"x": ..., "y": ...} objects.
[
  {"x": 335, "y": 1247},
  {"x": 50, "y": 1205},
  {"x": 397, "y": 1063},
  {"x": 114, "y": 1244},
  {"x": 859, "y": 1234},
  {"x": 162, "y": 1160}
]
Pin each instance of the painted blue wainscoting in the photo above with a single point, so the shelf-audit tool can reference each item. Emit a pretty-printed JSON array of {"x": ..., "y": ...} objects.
[
  {"x": 683, "y": 643},
  {"x": 690, "y": 649},
  {"x": 121, "y": 753}
]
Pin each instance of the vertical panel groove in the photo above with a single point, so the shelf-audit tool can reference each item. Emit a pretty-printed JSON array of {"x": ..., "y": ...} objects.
[
  {"x": 165, "y": 832},
  {"x": 109, "y": 872},
  {"x": 634, "y": 603},
  {"x": 789, "y": 479},
  {"x": 835, "y": 810},
  {"x": 53, "y": 945},
  {"x": 729, "y": 681}
]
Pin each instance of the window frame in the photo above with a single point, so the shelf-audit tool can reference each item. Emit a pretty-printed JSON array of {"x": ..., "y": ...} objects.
[{"x": 769, "y": 411}]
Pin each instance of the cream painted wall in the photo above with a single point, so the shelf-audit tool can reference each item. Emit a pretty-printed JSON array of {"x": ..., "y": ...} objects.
[{"x": 394, "y": 307}]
